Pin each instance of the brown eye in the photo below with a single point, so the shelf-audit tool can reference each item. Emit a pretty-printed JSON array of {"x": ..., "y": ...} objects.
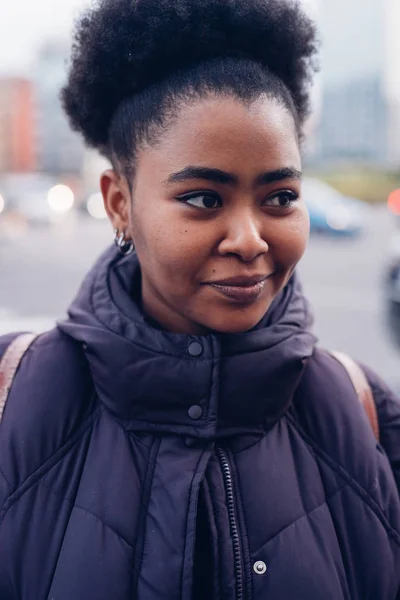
[
  {"x": 281, "y": 200},
  {"x": 202, "y": 200}
]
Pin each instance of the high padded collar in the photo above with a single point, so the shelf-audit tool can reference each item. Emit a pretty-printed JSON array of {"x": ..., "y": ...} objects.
[{"x": 202, "y": 386}]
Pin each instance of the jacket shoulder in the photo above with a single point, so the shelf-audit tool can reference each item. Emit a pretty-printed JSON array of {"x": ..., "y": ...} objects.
[
  {"x": 50, "y": 402},
  {"x": 388, "y": 408},
  {"x": 326, "y": 401},
  {"x": 329, "y": 415}
]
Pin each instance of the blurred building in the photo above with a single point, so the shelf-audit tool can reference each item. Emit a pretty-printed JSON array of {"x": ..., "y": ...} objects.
[
  {"x": 392, "y": 77},
  {"x": 17, "y": 126},
  {"x": 354, "y": 122},
  {"x": 360, "y": 103},
  {"x": 59, "y": 149}
]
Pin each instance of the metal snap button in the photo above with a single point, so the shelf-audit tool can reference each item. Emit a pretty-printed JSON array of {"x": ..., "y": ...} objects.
[
  {"x": 260, "y": 567},
  {"x": 195, "y": 349},
  {"x": 195, "y": 412}
]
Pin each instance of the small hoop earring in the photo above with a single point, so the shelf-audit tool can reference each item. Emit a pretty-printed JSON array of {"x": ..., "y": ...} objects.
[{"x": 125, "y": 246}]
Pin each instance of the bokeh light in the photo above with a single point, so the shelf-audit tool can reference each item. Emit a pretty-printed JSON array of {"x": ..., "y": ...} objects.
[
  {"x": 394, "y": 202},
  {"x": 95, "y": 206},
  {"x": 60, "y": 198}
]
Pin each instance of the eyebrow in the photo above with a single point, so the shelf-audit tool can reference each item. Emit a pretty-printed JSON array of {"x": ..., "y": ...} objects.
[
  {"x": 278, "y": 175},
  {"x": 206, "y": 173},
  {"x": 222, "y": 177}
]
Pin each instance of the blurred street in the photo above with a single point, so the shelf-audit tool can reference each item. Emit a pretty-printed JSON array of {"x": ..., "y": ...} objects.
[{"x": 40, "y": 273}]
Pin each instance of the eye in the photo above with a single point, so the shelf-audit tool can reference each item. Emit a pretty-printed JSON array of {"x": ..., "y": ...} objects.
[
  {"x": 283, "y": 199},
  {"x": 202, "y": 200}
]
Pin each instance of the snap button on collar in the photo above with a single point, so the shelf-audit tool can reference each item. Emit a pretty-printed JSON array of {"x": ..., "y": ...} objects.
[
  {"x": 195, "y": 349},
  {"x": 195, "y": 412}
]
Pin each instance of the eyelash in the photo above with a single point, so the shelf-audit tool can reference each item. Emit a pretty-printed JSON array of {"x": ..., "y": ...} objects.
[
  {"x": 292, "y": 196},
  {"x": 185, "y": 199},
  {"x": 284, "y": 193}
]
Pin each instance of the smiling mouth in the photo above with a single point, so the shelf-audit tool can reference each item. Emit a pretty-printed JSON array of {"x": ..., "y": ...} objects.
[{"x": 242, "y": 290}]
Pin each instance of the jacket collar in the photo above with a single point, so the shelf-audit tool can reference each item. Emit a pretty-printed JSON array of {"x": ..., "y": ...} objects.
[{"x": 205, "y": 386}]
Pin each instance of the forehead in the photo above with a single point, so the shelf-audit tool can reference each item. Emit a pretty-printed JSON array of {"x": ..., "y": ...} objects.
[{"x": 227, "y": 134}]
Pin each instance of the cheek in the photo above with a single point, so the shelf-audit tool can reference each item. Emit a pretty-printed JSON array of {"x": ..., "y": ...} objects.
[
  {"x": 289, "y": 238},
  {"x": 167, "y": 242}
]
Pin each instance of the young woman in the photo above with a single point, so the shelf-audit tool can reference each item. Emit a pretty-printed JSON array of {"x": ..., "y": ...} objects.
[{"x": 180, "y": 436}]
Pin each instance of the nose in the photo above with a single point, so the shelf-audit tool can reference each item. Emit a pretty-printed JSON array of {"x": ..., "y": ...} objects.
[{"x": 243, "y": 238}]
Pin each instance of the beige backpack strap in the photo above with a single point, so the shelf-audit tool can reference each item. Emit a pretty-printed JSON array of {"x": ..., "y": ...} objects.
[
  {"x": 9, "y": 365},
  {"x": 362, "y": 388}
]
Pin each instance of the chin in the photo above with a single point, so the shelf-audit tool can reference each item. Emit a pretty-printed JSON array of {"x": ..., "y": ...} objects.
[{"x": 236, "y": 321}]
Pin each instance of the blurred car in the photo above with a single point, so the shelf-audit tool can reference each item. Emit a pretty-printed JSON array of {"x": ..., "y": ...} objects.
[
  {"x": 331, "y": 212},
  {"x": 35, "y": 198},
  {"x": 393, "y": 273}
]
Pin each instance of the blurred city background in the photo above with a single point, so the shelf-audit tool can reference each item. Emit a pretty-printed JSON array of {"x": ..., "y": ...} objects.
[{"x": 52, "y": 223}]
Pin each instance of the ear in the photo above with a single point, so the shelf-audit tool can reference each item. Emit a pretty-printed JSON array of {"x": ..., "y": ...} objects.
[{"x": 117, "y": 200}]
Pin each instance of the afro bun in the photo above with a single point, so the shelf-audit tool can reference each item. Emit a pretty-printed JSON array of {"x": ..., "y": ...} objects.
[{"x": 123, "y": 46}]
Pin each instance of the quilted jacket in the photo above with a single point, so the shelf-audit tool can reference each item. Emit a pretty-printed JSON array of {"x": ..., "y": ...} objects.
[{"x": 136, "y": 464}]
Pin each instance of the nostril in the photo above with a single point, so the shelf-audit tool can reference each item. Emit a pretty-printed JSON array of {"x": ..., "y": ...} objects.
[{"x": 247, "y": 246}]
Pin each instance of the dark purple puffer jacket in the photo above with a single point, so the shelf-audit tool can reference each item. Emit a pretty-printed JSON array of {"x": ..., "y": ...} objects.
[{"x": 137, "y": 464}]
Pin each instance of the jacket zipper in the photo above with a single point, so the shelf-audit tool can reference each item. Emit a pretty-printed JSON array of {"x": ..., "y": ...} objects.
[{"x": 239, "y": 571}]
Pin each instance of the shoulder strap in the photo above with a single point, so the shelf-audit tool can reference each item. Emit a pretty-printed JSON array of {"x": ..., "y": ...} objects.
[
  {"x": 9, "y": 365},
  {"x": 362, "y": 388}
]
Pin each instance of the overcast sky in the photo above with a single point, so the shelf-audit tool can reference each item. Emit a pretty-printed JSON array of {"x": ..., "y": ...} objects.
[{"x": 24, "y": 24}]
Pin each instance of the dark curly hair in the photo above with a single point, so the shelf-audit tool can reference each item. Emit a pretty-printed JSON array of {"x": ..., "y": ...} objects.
[{"x": 133, "y": 61}]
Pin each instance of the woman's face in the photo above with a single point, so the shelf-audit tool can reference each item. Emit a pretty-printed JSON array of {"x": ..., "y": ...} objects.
[{"x": 216, "y": 216}]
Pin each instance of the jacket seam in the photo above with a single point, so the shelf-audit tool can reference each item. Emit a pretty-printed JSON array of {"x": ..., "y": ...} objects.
[
  {"x": 54, "y": 490},
  {"x": 6, "y": 481},
  {"x": 187, "y": 517},
  {"x": 303, "y": 516},
  {"x": 103, "y": 522},
  {"x": 339, "y": 538},
  {"x": 145, "y": 499},
  {"x": 216, "y": 549},
  {"x": 217, "y": 522},
  {"x": 72, "y": 501},
  {"x": 214, "y": 374},
  {"x": 45, "y": 467},
  {"x": 125, "y": 428},
  {"x": 357, "y": 488}
]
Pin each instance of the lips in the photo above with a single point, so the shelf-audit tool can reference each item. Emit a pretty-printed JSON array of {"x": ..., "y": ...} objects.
[{"x": 243, "y": 289}]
